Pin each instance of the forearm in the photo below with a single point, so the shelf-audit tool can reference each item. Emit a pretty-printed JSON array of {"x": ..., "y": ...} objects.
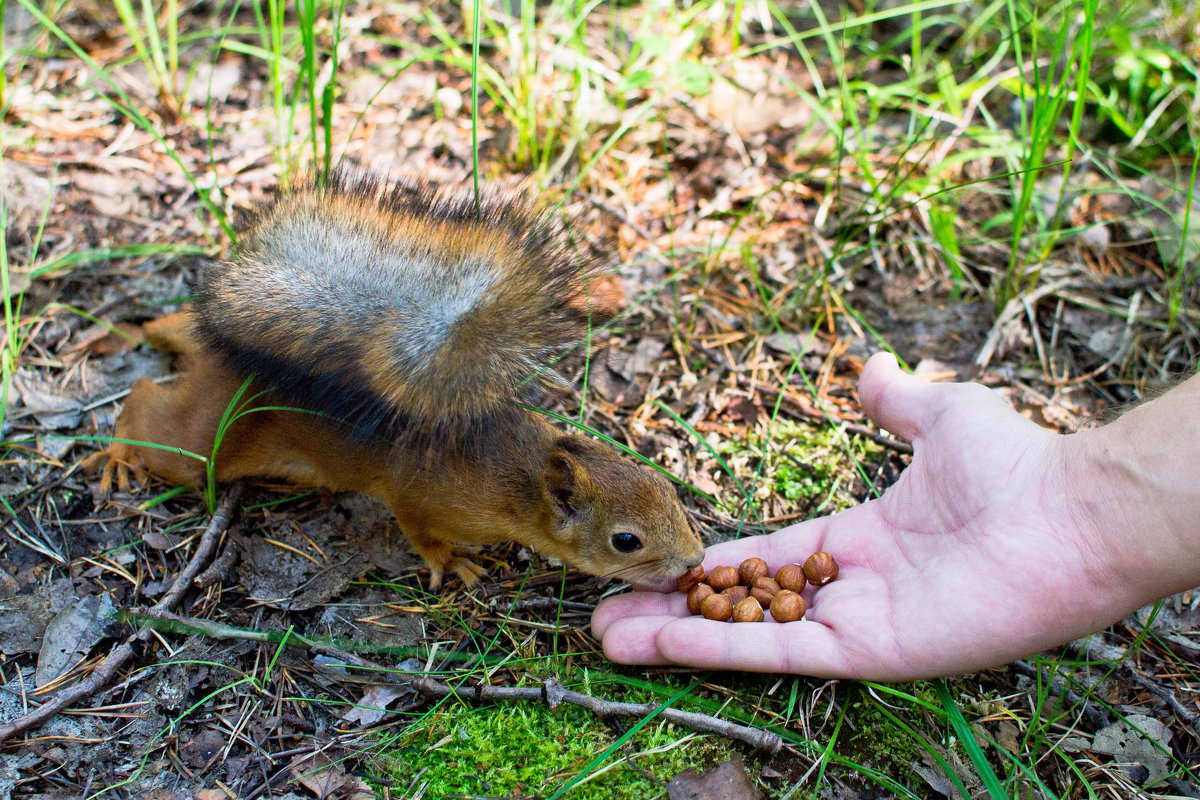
[{"x": 1138, "y": 482}]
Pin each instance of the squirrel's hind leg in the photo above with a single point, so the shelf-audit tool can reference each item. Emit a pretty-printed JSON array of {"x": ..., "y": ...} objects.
[{"x": 173, "y": 333}]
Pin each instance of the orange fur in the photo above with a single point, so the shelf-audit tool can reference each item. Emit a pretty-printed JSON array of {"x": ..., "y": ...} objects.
[{"x": 563, "y": 496}]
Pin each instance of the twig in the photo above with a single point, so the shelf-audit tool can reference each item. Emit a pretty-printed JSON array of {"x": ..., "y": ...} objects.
[
  {"x": 1095, "y": 649},
  {"x": 552, "y": 693},
  {"x": 1057, "y": 685},
  {"x": 553, "y": 603},
  {"x": 219, "y": 567},
  {"x": 107, "y": 670}
]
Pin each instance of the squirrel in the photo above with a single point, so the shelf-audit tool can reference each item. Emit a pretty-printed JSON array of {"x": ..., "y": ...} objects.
[{"x": 390, "y": 332}]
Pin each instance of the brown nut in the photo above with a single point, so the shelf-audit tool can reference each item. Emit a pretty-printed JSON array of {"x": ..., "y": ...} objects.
[
  {"x": 721, "y": 578},
  {"x": 748, "y": 610},
  {"x": 751, "y": 569},
  {"x": 763, "y": 597},
  {"x": 716, "y": 607},
  {"x": 767, "y": 585},
  {"x": 764, "y": 590},
  {"x": 787, "y": 606},
  {"x": 687, "y": 580},
  {"x": 791, "y": 577},
  {"x": 696, "y": 597},
  {"x": 820, "y": 568},
  {"x": 737, "y": 593}
]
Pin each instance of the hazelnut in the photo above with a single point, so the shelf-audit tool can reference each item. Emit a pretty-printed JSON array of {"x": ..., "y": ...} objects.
[
  {"x": 748, "y": 611},
  {"x": 767, "y": 585},
  {"x": 751, "y": 569},
  {"x": 716, "y": 607},
  {"x": 763, "y": 597},
  {"x": 787, "y": 606},
  {"x": 763, "y": 590},
  {"x": 820, "y": 568},
  {"x": 721, "y": 578},
  {"x": 696, "y": 596},
  {"x": 737, "y": 593},
  {"x": 791, "y": 577},
  {"x": 687, "y": 580}
]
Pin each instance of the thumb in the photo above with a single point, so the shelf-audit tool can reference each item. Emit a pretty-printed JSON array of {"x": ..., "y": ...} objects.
[{"x": 892, "y": 398}]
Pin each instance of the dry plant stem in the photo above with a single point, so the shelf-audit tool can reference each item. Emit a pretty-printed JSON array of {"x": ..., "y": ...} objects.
[{"x": 107, "y": 670}]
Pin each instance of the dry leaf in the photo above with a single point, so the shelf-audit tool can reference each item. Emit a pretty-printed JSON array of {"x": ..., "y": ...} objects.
[
  {"x": 71, "y": 635},
  {"x": 373, "y": 705},
  {"x": 728, "y": 781}
]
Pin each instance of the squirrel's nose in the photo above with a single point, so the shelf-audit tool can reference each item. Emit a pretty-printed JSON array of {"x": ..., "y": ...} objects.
[{"x": 695, "y": 560}]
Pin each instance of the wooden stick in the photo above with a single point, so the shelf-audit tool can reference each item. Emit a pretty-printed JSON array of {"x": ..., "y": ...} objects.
[{"x": 552, "y": 694}]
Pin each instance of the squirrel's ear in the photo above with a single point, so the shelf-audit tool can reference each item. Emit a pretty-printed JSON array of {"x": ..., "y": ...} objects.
[{"x": 566, "y": 482}]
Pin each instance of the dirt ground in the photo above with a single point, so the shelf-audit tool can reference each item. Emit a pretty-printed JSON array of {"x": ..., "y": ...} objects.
[{"x": 105, "y": 232}]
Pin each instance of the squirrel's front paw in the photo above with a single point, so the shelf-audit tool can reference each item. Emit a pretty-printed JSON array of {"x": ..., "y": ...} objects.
[
  {"x": 117, "y": 461},
  {"x": 467, "y": 570}
]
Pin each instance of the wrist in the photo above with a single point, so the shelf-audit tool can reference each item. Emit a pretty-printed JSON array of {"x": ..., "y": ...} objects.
[{"x": 1135, "y": 508}]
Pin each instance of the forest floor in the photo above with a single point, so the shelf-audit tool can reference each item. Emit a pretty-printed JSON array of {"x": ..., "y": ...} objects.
[{"x": 783, "y": 191}]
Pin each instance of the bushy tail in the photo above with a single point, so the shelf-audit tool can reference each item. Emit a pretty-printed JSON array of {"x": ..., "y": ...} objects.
[{"x": 397, "y": 305}]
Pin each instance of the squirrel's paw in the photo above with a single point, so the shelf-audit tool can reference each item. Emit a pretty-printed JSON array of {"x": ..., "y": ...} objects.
[
  {"x": 467, "y": 570},
  {"x": 117, "y": 462}
]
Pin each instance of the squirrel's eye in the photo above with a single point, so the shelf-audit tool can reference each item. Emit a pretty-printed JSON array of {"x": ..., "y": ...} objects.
[{"x": 626, "y": 542}]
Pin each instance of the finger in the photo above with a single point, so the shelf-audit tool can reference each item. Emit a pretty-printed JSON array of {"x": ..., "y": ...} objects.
[
  {"x": 804, "y": 647},
  {"x": 637, "y": 604},
  {"x": 893, "y": 399},
  {"x": 632, "y": 640}
]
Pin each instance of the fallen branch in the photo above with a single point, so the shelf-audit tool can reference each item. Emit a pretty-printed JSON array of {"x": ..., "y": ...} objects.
[
  {"x": 108, "y": 669},
  {"x": 552, "y": 694},
  {"x": 1095, "y": 648}
]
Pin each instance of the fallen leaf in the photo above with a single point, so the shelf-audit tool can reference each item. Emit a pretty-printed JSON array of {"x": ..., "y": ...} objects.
[
  {"x": 373, "y": 705},
  {"x": 50, "y": 408},
  {"x": 71, "y": 635},
  {"x": 103, "y": 340},
  {"x": 1137, "y": 739},
  {"x": 728, "y": 781},
  {"x": 326, "y": 778},
  {"x": 202, "y": 749},
  {"x": 645, "y": 355}
]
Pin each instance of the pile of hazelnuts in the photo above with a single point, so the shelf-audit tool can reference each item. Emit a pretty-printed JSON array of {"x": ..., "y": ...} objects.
[{"x": 740, "y": 593}]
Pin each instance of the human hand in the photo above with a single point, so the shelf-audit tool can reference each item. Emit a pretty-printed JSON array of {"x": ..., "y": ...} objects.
[{"x": 979, "y": 554}]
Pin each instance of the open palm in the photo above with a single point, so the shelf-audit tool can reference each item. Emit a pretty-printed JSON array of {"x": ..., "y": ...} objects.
[{"x": 976, "y": 556}]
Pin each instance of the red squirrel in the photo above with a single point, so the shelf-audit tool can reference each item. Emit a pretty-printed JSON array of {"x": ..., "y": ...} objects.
[{"x": 392, "y": 330}]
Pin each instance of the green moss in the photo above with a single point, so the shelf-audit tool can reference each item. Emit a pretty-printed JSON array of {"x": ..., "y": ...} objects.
[
  {"x": 876, "y": 740},
  {"x": 812, "y": 468},
  {"x": 523, "y": 750}
]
